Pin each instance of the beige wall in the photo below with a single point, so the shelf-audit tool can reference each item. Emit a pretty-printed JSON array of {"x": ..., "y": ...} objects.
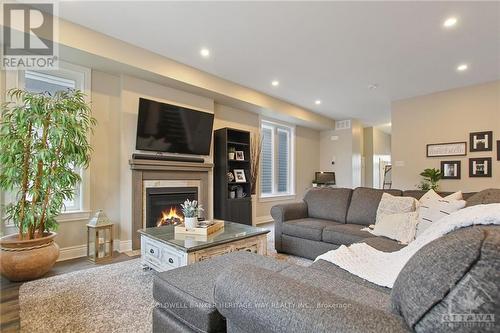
[
  {"x": 447, "y": 116},
  {"x": 345, "y": 148},
  {"x": 377, "y": 146}
]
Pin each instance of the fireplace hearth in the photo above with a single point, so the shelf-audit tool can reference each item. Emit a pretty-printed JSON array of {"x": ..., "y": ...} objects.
[{"x": 163, "y": 204}]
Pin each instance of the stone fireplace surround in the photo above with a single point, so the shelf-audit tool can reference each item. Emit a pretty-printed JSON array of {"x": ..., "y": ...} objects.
[{"x": 158, "y": 173}]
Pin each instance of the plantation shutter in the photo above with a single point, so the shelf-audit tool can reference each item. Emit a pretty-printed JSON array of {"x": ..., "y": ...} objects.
[
  {"x": 266, "y": 176},
  {"x": 283, "y": 160}
]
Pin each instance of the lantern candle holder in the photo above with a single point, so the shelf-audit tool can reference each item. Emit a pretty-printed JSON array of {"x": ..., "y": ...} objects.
[{"x": 99, "y": 238}]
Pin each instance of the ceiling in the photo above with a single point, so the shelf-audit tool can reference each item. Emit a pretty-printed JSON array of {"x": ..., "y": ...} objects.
[{"x": 331, "y": 51}]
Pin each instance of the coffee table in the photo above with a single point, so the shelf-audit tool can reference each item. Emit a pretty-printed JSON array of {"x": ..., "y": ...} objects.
[{"x": 162, "y": 249}]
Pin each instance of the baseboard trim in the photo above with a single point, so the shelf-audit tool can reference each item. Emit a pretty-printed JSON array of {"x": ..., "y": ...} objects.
[
  {"x": 79, "y": 251},
  {"x": 72, "y": 252},
  {"x": 263, "y": 219},
  {"x": 125, "y": 246}
]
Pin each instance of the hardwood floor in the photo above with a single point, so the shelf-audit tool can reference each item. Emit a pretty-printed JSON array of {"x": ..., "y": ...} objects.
[{"x": 9, "y": 291}]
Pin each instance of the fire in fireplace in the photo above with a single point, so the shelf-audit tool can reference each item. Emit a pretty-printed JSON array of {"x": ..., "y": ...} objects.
[{"x": 163, "y": 204}]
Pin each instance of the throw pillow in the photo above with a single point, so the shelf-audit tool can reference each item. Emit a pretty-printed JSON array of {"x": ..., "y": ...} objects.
[
  {"x": 400, "y": 227},
  {"x": 390, "y": 204},
  {"x": 431, "y": 195},
  {"x": 432, "y": 211}
]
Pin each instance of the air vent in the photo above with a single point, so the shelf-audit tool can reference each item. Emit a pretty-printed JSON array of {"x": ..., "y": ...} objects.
[{"x": 342, "y": 124}]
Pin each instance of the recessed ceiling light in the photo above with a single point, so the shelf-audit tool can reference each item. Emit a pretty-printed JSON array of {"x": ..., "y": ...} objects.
[
  {"x": 372, "y": 86},
  {"x": 450, "y": 22},
  {"x": 205, "y": 53},
  {"x": 317, "y": 102},
  {"x": 462, "y": 67},
  {"x": 275, "y": 83}
]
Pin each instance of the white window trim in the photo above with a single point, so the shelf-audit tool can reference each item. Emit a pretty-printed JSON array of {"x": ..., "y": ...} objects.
[
  {"x": 15, "y": 79},
  {"x": 277, "y": 196}
]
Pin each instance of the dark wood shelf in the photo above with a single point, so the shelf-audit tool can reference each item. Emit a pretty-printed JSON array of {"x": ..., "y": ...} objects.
[
  {"x": 238, "y": 209},
  {"x": 236, "y": 143}
]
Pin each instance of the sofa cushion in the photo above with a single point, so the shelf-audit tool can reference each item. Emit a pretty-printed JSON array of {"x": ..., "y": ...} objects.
[
  {"x": 484, "y": 197},
  {"x": 190, "y": 288},
  {"x": 328, "y": 203},
  {"x": 340, "y": 285},
  {"x": 454, "y": 274},
  {"x": 344, "y": 234},
  {"x": 417, "y": 194},
  {"x": 383, "y": 244},
  {"x": 364, "y": 205},
  {"x": 307, "y": 228}
]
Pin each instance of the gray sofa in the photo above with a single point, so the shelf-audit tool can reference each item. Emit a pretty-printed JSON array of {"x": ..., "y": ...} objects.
[
  {"x": 244, "y": 292},
  {"x": 330, "y": 217}
]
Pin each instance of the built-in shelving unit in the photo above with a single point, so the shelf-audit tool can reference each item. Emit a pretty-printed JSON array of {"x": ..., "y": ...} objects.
[{"x": 238, "y": 209}]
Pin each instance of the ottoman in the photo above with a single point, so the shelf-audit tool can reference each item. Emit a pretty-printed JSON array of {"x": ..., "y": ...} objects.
[{"x": 185, "y": 295}]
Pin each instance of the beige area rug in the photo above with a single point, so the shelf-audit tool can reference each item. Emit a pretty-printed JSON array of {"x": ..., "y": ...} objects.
[{"x": 111, "y": 298}]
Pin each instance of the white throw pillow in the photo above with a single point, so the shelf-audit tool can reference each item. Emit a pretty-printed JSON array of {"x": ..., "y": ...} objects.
[
  {"x": 401, "y": 227},
  {"x": 390, "y": 204},
  {"x": 433, "y": 208},
  {"x": 431, "y": 195}
]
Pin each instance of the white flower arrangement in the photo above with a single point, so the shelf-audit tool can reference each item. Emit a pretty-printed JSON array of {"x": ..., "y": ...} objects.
[{"x": 191, "y": 208}]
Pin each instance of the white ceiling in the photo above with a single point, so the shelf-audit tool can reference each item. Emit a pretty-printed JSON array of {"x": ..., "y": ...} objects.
[{"x": 329, "y": 51}]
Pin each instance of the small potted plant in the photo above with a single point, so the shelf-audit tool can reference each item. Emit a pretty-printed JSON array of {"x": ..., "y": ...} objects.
[
  {"x": 191, "y": 211},
  {"x": 231, "y": 153},
  {"x": 431, "y": 179},
  {"x": 43, "y": 142}
]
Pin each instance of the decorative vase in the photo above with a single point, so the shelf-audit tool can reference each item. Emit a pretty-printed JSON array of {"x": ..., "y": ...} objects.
[
  {"x": 190, "y": 222},
  {"x": 23, "y": 260},
  {"x": 231, "y": 156}
]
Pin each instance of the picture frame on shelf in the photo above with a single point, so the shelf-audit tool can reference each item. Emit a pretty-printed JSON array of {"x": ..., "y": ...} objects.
[
  {"x": 240, "y": 155},
  {"x": 480, "y": 167},
  {"x": 230, "y": 176},
  {"x": 447, "y": 149},
  {"x": 239, "y": 175},
  {"x": 481, "y": 141},
  {"x": 451, "y": 169}
]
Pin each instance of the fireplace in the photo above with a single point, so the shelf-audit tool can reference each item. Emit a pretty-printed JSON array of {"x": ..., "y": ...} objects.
[{"x": 163, "y": 204}]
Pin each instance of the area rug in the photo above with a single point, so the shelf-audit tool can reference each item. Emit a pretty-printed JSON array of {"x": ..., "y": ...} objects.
[{"x": 111, "y": 298}]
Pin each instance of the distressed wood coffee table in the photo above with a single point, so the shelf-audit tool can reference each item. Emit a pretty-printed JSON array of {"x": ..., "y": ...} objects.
[{"x": 162, "y": 249}]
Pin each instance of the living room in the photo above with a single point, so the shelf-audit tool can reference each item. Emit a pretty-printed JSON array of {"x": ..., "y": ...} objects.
[{"x": 375, "y": 94}]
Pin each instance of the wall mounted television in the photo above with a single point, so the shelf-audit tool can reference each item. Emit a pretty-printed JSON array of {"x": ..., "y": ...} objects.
[{"x": 170, "y": 128}]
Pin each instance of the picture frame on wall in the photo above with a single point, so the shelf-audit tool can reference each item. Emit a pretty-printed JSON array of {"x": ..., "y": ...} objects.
[
  {"x": 447, "y": 149},
  {"x": 481, "y": 141},
  {"x": 480, "y": 167},
  {"x": 451, "y": 169}
]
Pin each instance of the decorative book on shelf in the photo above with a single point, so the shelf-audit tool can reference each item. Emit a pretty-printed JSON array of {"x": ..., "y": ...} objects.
[{"x": 232, "y": 201}]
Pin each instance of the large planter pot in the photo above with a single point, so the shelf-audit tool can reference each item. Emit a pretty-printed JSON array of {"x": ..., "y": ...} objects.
[{"x": 22, "y": 260}]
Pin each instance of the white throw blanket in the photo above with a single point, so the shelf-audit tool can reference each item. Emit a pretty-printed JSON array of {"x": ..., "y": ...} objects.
[{"x": 382, "y": 268}]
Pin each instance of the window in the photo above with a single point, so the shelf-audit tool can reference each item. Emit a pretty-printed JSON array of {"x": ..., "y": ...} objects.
[
  {"x": 276, "y": 176},
  {"x": 67, "y": 76}
]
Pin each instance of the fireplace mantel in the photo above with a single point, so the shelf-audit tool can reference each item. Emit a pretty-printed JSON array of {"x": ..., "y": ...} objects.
[{"x": 157, "y": 170}]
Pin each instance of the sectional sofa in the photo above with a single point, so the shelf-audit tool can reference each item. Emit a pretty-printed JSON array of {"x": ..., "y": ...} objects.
[
  {"x": 244, "y": 292},
  {"x": 330, "y": 217}
]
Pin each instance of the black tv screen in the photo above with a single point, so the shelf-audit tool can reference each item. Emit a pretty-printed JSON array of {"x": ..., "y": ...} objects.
[{"x": 169, "y": 128}]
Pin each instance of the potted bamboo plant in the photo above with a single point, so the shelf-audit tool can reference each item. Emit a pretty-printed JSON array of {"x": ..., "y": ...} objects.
[{"x": 43, "y": 142}]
